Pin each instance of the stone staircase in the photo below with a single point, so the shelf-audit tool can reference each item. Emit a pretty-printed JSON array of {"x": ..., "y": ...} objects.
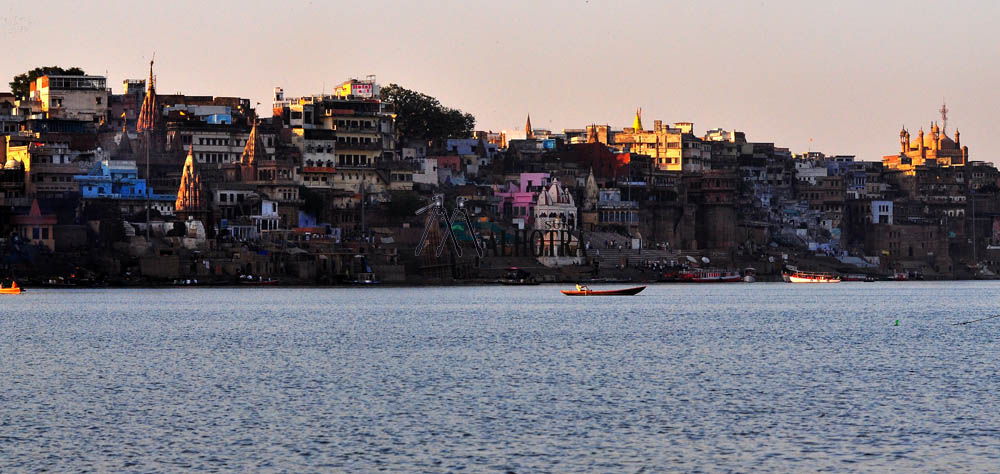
[{"x": 613, "y": 256}]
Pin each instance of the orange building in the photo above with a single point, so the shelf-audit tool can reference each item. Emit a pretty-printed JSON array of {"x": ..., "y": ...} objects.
[
  {"x": 933, "y": 149},
  {"x": 36, "y": 227}
]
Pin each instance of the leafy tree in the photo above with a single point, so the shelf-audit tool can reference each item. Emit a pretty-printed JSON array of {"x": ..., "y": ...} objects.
[
  {"x": 420, "y": 116},
  {"x": 21, "y": 85}
]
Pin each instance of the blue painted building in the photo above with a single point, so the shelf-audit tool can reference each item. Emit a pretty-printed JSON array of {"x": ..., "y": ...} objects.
[
  {"x": 119, "y": 180},
  {"x": 469, "y": 146}
]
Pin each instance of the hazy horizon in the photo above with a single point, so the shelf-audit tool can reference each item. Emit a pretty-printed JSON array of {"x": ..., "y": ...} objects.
[{"x": 847, "y": 74}]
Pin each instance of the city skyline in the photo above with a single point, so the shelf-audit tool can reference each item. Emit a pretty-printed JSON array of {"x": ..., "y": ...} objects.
[{"x": 839, "y": 79}]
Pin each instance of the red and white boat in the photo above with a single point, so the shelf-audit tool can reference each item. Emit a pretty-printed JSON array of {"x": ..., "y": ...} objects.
[
  {"x": 807, "y": 277},
  {"x": 714, "y": 276}
]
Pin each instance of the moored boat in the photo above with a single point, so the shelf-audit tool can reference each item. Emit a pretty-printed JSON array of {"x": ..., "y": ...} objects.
[
  {"x": 808, "y": 277},
  {"x": 517, "y": 276},
  {"x": 857, "y": 277},
  {"x": 716, "y": 276},
  {"x": 584, "y": 291}
]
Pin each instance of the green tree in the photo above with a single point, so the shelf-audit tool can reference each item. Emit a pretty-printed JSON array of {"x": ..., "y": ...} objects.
[
  {"x": 21, "y": 85},
  {"x": 422, "y": 117}
]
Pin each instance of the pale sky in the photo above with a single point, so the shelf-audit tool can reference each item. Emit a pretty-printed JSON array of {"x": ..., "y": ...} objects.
[{"x": 848, "y": 74}]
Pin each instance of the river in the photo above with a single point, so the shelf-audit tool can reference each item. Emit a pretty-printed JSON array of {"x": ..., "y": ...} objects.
[{"x": 764, "y": 376}]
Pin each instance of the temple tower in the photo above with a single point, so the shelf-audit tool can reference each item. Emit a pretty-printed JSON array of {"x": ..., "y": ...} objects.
[
  {"x": 253, "y": 153},
  {"x": 189, "y": 195}
]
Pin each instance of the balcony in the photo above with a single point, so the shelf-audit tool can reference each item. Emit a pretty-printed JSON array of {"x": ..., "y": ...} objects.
[
  {"x": 358, "y": 128},
  {"x": 359, "y": 146}
]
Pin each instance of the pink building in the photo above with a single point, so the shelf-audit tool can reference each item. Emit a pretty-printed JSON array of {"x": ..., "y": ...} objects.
[
  {"x": 454, "y": 163},
  {"x": 518, "y": 200}
]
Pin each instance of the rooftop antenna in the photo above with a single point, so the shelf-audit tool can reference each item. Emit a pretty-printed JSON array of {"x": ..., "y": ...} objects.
[{"x": 944, "y": 117}]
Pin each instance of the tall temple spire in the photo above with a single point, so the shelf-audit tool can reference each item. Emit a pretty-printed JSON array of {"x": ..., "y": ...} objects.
[
  {"x": 637, "y": 123},
  {"x": 149, "y": 110},
  {"x": 189, "y": 196},
  {"x": 591, "y": 193},
  {"x": 254, "y": 150},
  {"x": 124, "y": 145},
  {"x": 528, "y": 132}
]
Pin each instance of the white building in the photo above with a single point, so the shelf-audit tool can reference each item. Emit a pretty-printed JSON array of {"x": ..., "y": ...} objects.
[
  {"x": 72, "y": 97},
  {"x": 807, "y": 171},
  {"x": 881, "y": 212},
  {"x": 555, "y": 208},
  {"x": 428, "y": 173}
]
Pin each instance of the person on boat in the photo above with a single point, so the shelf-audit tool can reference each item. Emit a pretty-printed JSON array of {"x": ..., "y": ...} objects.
[{"x": 580, "y": 287}]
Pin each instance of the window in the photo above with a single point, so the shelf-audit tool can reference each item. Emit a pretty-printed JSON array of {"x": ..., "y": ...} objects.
[{"x": 45, "y": 233}]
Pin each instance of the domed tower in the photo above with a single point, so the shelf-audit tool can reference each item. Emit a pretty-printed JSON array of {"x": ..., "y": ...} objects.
[
  {"x": 935, "y": 137},
  {"x": 920, "y": 144}
]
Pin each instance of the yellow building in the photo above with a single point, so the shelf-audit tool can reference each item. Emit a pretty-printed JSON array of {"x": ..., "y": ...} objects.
[
  {"x": 672, "y": 148},
  {"x": 932, "y": 149}
]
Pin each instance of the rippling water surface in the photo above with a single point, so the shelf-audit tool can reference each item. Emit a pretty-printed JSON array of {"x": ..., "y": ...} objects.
[{"x": 686, "y": 377}]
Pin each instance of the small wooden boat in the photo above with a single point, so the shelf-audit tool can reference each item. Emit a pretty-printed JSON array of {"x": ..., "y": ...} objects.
[
  {"x": 588, "y": 292},
  {"x": 12, "y": 290}
]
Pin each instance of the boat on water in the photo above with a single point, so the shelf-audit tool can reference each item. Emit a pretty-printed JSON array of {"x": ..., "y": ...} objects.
[
  {"x": 13, "y": 289},
  {"x": 584, "y": 291},
  {"x": 517, "y": 276},
  {"x": 857, "y": 277},
  {"x": 811, "y": 277},
  {"x": 709, "y": 275},
  {"x": 251, "y": 280}
]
